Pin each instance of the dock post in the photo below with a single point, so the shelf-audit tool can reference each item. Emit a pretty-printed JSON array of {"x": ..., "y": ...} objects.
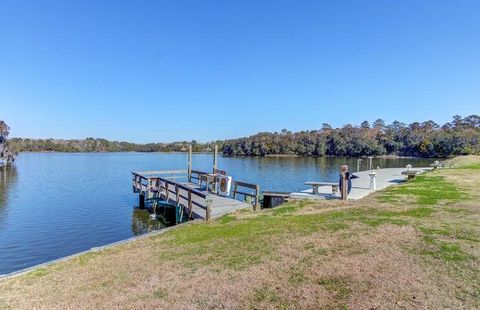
[
  {"x": 141, "y": 200},
  {"x": 370, "y": 162},
  {"x": 257, "y": 198},
  {"x": 208, "y": 202},
  {"x": 344, "y": 192},
  {"x": 358, "y": 164},
  {"x": 190, "y": 205},
  {"x": 209, "y": 211},
  {"x": 215, "y": 151},
  {"x": 373, "y": 184},
  {"x": 190, "y": 163}
]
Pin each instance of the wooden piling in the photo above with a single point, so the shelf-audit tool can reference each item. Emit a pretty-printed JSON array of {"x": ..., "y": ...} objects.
[
  {"x": 343, "y": 173},
  {"x": 256, "y": 206},
  {"x": 141, "y": 200},
  {"x": 208, "y": 203},
  {"x": 190, "y": 205},
  {"x": 215, "y": 151},
  {"x": 166, "y": 191},
  {"x": 189, "y": 163},
  {"x": 177, "y": 195}
]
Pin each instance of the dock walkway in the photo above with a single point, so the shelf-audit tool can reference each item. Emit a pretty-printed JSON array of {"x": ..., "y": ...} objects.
[
  {"x": 360, "y": 186},
  {"x": 219, "y": 205}
]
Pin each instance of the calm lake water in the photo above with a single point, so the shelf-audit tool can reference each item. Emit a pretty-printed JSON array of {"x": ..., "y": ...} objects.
[{"x": 56, "y": 204}]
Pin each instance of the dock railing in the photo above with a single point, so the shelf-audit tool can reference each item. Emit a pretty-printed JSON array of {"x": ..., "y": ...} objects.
[
  {"x": 150, "y": 184},
  {"x": 195, "y": 176},
  {"x": 248, "y": 191},
  {"x": 167, "y": 185}
]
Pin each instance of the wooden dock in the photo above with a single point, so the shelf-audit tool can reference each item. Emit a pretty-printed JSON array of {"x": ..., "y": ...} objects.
[{"x": 194, "y": 192}]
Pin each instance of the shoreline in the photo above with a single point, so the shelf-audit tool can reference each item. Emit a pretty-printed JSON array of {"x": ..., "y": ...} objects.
[{"x": 23, "y": 271}]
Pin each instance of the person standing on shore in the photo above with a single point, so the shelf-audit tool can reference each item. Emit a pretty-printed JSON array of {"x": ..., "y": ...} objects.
[{"x": 344, "y": 170}]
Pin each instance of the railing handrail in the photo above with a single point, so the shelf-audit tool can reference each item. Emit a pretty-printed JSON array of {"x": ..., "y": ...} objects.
[
  {"x": 255, "y": 195},
  {"x": 159, "y": 172},
  {"x": 245, "y": 184},
  {"x": 196, "y": 174},
  {"x": 173, "y": 187}
]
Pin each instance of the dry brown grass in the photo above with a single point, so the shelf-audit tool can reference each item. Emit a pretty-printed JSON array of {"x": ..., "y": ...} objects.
[
  {"x": 462, "y": 160},
  {"x": 368, "y": 255}
]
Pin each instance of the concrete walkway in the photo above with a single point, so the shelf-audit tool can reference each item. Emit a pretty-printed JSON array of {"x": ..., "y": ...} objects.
[{"x": 360, "y": 186}]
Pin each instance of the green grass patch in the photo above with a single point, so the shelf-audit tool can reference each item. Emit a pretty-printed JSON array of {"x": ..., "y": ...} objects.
[
  {"x": 474, "y": 166},
  {"x": 335, "y": 226},
  {"x": 160, "y": 294},
  {"x": 446, "y": 251},
  {"x": 267, "y": 296},
  {"x": 426, "y": 189},
  {"x": 226, "y": 219},
  {"x": 39, "y": 272},
  {"x": 456, "y": 232},
  {"x": 337, "y": 285},
  {"x": 106, "y": 284},
  {"x": 413, "y": 212},
  {"x": 434, "y": 231},
  {"x": 296, "y": 277},
  {"x": 375, "y": 222},
  {"x": 238, "y": 243},
  {"x": 284, "y": 210},
  {"x": 85, "y": 258},
  {"x": 290, "y": 207}
]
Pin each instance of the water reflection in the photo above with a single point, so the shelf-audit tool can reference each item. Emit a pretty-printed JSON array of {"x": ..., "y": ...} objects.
[
  {"x": 141, "y": 222},
  {"x": 8, "y": 177}
]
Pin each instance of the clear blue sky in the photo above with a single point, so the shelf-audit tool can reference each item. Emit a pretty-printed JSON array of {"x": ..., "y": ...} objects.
[{"x": 150, "y": 71}]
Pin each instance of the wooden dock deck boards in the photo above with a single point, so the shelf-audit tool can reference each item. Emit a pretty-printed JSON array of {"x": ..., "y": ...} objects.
[{"x": 219, "y": 205}]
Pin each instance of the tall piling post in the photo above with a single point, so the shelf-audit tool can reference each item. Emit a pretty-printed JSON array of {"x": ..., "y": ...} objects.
[
  {"x": 370, "y": 163},
  {"x": 358, "y": 164},
  {"x": 256, "y": 206},
  {"x": 215, "y": 151},
  {"x": 208, "y": 209},
  {"x": 190, "y": 163},
  {"x": 141, "y": 200},
  {"x": 344, "y": 182}
]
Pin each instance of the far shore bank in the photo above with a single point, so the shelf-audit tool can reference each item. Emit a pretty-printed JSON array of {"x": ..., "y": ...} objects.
[{"x": 227, "y": 155}]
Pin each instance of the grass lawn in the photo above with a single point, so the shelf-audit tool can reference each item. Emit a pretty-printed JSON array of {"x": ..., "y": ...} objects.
[{"x": 415, "y": 245}]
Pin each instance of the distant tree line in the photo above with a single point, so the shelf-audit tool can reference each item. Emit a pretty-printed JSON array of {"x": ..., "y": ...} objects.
[
  {"x": 425, "y": 139},
  {"x": 102, "y": 145}
]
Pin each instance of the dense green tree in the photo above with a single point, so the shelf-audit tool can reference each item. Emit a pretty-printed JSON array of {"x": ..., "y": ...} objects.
[
  {"x": 427, "y": 139},
  {"x": 461, "y": 136},
  {"x": 4, "y": 129}
]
